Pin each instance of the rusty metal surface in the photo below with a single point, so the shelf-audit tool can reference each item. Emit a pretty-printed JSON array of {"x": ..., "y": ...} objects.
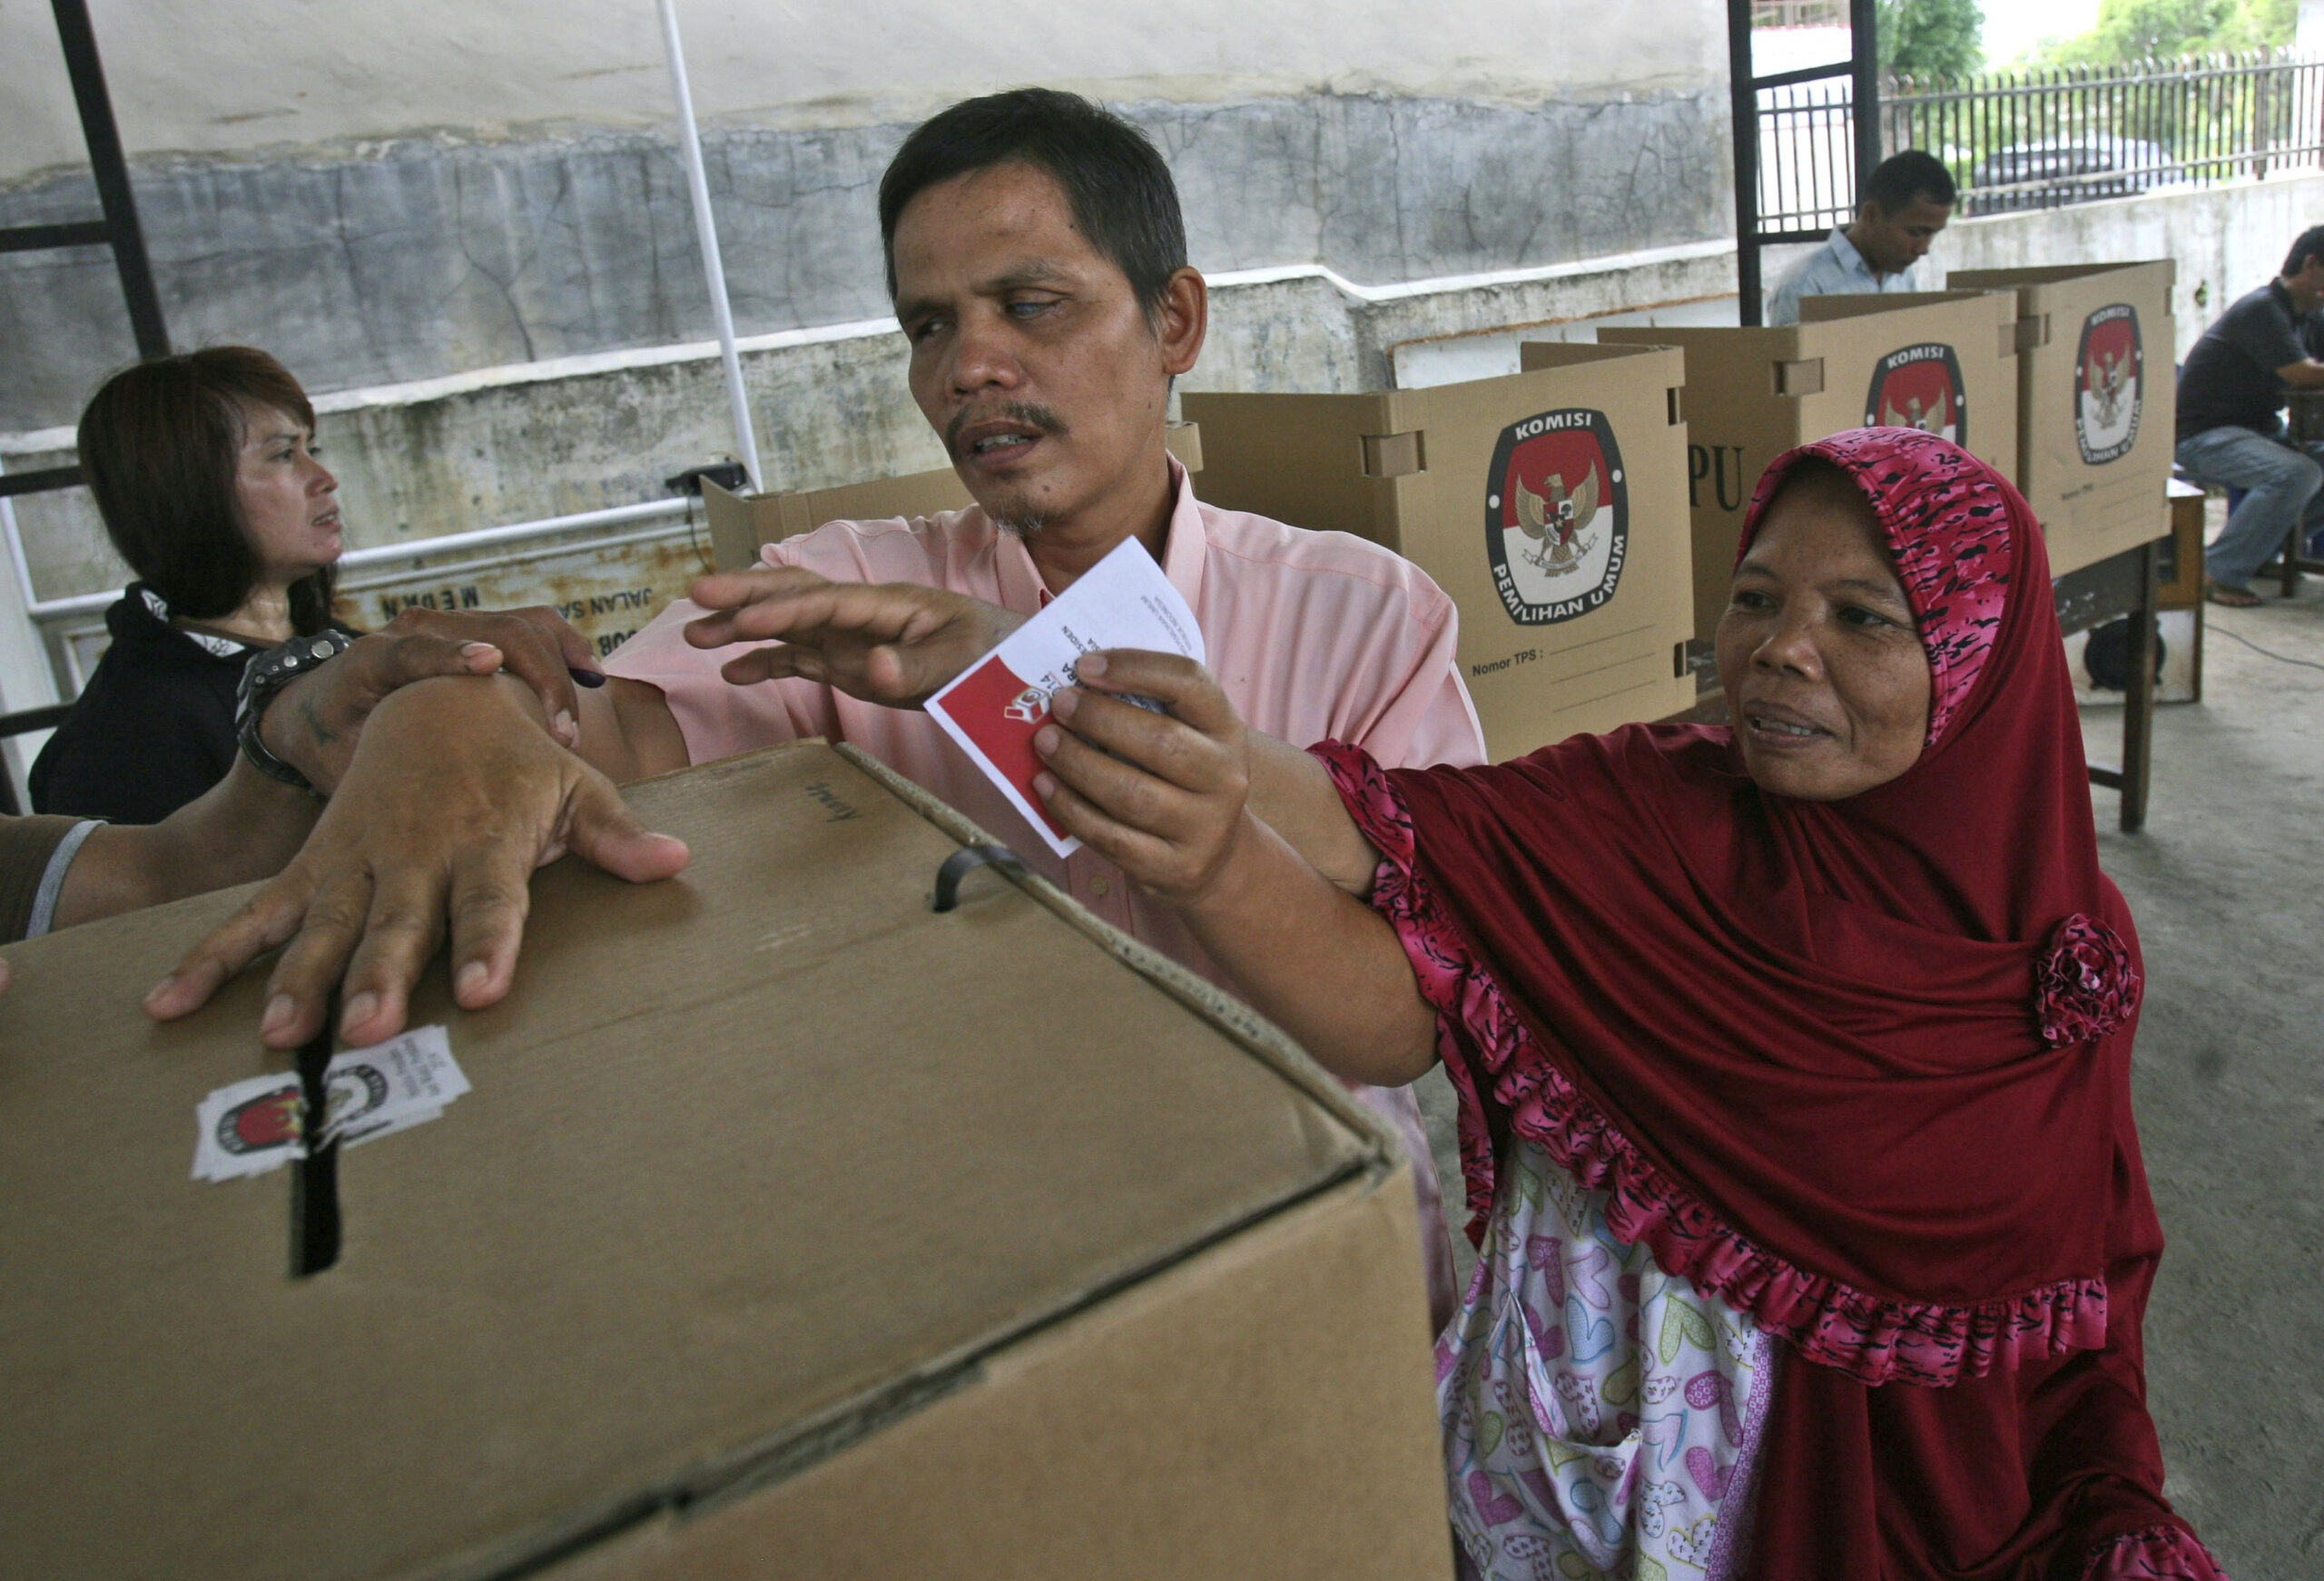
[
  {"x": 606, "y": 592},
  {"x": 607, "y": 587}
]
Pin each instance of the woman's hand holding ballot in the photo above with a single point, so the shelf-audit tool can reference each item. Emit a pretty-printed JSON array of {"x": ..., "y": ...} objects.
[{"x": 1193, "y": 807}]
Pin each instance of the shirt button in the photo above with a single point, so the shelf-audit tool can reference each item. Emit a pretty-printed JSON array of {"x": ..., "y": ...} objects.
[{"x": 1099, "y": 887}]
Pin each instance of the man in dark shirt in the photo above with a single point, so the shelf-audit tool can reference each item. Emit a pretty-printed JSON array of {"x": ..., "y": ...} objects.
[{"x": 2234, "y": 383}]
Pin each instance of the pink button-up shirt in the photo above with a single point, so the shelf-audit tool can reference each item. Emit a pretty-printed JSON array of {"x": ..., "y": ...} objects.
[{"x": 1313, "y": 636}]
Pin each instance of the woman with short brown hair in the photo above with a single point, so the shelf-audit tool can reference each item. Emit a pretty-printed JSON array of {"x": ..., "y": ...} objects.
[{"x": 205, "y": 467}]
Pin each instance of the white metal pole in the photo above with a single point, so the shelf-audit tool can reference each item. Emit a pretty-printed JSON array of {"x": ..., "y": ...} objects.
[
  {"x": 714, "y": 272},
  {"x": 27, "y": 678}
]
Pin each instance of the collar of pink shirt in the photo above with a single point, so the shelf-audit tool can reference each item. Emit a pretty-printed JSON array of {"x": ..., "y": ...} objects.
[{"x": 1182, "y": 554}]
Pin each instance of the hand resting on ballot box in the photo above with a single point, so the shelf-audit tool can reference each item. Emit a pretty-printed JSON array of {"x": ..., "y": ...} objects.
[
  {"x": 247, "y": 825},
  {"x": 454, "y": 794}
]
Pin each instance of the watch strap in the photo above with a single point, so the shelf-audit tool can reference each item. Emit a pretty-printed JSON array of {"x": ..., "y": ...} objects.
[{"x": 265, "y": 675}]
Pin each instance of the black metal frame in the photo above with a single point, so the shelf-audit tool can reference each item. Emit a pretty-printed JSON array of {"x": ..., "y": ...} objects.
[
  {"x": 119, "y": 230},
  {"x": 1862, "y": 68},
  {"x": 46, "y": 717}
]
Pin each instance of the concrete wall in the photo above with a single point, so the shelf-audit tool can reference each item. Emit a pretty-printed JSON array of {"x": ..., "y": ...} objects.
[
  {"x": 531, "y": 441},
  {"x": 383, "y": 194}
]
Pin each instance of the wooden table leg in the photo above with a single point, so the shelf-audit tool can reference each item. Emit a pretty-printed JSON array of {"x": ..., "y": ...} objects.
[{"x": 2138, "y": 698}]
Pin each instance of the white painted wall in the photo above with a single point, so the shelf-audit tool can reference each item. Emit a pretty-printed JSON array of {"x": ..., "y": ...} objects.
[
  {"x": 230, "y": 76},
  {"x": 2309, "y": 39}
]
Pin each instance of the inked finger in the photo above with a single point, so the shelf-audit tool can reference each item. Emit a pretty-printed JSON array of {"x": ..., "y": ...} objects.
[
  {"x": 575, "y": 650},
  {"x": 536, "y": 655}
]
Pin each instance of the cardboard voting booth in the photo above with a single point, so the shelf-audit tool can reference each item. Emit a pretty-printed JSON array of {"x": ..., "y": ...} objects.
[
  {"x": 1941, "y": 360},
  {"x": 1549, "y": 504},
  {"x": 741, "y": 522},
  {"x": 2095, "y": 420},
  {"x": 788, "y": 1228}
]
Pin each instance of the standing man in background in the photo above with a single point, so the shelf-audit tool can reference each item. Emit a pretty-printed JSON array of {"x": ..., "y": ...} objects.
[
  {"x": 2234, "y": 384},
  {"x": 1907, "y": 201}
]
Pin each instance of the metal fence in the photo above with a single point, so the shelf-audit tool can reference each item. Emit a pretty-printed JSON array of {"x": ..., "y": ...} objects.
[
  {"x": 1800, "y": 13},
  {"x": 2043, "y": 139}
]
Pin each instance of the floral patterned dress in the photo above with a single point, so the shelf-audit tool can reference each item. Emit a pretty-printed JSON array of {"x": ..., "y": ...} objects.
[{"x": 1600, "y": 1417}]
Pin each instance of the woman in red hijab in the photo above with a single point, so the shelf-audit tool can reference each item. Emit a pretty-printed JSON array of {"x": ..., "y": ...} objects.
[{"x": 1794, "y": 1059}]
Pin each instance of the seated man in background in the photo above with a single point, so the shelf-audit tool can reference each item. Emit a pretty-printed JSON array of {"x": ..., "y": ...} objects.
[
  {"x": 1036, "y": 257},
  {"x": 2234, "y": 382},
  {"x": 1900, "y": 211}
]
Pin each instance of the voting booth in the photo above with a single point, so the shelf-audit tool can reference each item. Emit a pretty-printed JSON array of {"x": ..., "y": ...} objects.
[
  {"x": 741, "y": 522},
  {"x": 1941, "y": 360},
  {"x": 804, "y": 1217},
  {"x": 2095, "y": 421},
  {"x": 1548, "y": 504}
]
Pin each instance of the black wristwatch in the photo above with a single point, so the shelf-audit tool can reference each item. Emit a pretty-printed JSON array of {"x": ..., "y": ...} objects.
[{"x": 268, "y": 674}]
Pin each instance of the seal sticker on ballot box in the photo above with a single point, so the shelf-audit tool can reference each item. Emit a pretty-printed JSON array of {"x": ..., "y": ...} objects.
[
  {"x": 1557, "y": 516},
  {"x": 2110, "y": 384},
  {"x": 1919, "y": 386}
]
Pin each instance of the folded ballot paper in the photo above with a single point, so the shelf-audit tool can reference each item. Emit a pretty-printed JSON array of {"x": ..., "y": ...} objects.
[{"x": 993, "y": 707}]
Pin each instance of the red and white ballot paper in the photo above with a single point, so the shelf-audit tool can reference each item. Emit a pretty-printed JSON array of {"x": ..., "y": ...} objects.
[{"x": 993, "y": 707}]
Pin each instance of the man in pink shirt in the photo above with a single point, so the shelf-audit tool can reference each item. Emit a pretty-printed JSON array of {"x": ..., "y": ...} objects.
[{"x": 1038, "y": 261}]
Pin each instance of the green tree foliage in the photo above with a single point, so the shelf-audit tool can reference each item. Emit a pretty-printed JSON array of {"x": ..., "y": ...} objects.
[
  {"x": 1930, "y": 38},
  {"x": 2131, "y": 30}
]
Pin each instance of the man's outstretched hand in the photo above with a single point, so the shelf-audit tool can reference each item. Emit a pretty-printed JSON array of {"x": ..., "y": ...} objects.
[
  {"x": 455, "y": 794},
  {"x": 894, "y": 644}
]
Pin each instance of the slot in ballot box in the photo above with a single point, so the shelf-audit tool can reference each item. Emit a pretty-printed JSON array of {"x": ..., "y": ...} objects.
[
  {"x": 1548, "y": 504},
  {"x": 789, "y": 1227},
  {"x": 1941, "y": 360},
  {"x": 741, "y": 522},
  {"x": 2095, "y": 422}
]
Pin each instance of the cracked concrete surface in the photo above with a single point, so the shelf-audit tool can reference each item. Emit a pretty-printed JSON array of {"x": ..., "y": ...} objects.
[{"x": 2227, "y": 884}]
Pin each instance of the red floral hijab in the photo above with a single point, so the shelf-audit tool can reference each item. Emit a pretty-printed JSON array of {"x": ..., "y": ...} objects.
[{"x": 1861, "y": 1067}]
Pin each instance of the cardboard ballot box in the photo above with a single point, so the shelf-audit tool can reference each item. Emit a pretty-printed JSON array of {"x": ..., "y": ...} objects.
[
  {"x": 741, "y": 522},
  {"x": 1548, "y": 504},
  {"x": 2095, "y": 425},
  {"x": 790, "y": 1228},
  {"x": 1941, "y": 360}
]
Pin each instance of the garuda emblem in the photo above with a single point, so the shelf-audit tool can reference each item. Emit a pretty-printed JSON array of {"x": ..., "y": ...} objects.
[{"x": 1554, "y": 520}]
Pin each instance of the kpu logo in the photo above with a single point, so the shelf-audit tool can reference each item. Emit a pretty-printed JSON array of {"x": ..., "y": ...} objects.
[
  {"x": 1919, "y": 387},
  {"x": 1557, "y": 516},
  {"x": 1029, "y": 706},
  {"x": 2109, "y": 381}
]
